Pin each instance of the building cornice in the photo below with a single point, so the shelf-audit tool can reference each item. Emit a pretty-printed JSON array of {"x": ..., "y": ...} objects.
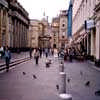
[
  {"x": 17, "y": 6},
  {"x": 18, "y": 16},
  {"x": 4, "y": 3}
]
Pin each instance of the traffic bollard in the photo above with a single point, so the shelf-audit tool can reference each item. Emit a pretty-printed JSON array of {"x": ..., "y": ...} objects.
[
  {"x": 65, "y": 96},
  {"x": 61, "y": 68},
  {"x": 62, "y": 83}
]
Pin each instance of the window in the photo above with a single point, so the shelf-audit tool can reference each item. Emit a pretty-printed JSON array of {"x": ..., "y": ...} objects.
[
  {"x": 63, "y": 36},
  {"x": 63, "y": 25},
  {"x": 54, "y": 34}
]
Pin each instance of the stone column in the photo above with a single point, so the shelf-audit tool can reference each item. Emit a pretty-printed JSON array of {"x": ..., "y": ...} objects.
[
  {"x": 0, "y": 27},
  {"x": 61, "y": 67},
  {"x": 18, "y": 34},
  {"x": 22, "y": 36},
  {"x": 98, "y": 40},
  {"x": 25, "y": 37},
  {"x": 62, "y": 83},
  {"x": 92, "y": 43},
  {"x": 7, "y": 29},
  {"x": 87, "y": 44},
  {"x": 14, "y": 38}
]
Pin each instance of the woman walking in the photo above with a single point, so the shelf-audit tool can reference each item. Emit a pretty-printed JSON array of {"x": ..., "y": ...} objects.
[
  {"x": 36, "y": 56},
  {"x": 7, "y": 58}
]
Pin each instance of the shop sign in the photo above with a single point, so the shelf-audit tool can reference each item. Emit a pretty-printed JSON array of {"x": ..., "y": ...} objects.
[{"x": 89, "y": 24}]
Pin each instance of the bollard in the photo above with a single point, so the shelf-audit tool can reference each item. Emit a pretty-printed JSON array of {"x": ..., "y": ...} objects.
[
  {"x": 62, "y": 83},
  {"x": 65, "y": 96},
  {"x": 61, "y": 68}
]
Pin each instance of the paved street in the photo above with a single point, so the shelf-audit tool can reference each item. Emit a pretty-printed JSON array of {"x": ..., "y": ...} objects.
[
  {"x": 16, "y": 86},
  {"x": 77, "y": 84}
]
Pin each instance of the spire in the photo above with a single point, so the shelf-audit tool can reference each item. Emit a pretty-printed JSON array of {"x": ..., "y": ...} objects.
[{"x": 44, "y": 14}]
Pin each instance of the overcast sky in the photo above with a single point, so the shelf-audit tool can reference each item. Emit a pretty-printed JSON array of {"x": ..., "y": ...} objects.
[{"x": 36, "y": 8}]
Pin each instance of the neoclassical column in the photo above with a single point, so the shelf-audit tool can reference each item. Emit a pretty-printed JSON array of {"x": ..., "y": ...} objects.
[
  {"x": 1, "y": 26},
  {"x": 98, "y": 40},
  {"x": 18, "y": 34},
  {"x": 14, "y": 34},
  {"x": 21, "y": 41},
  {"x": 22, "y": 45},
  {"x": 7, "y": 30},
  {"x": 92, "y": 43},
  {"x": 26, "y": 40}
]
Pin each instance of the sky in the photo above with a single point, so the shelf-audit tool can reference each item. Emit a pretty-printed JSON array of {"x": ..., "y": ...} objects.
[{"x": 36, "y": 8}]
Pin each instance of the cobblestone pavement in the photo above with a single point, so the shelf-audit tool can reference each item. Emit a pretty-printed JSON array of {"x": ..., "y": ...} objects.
[{"x": 16, "y": 86}]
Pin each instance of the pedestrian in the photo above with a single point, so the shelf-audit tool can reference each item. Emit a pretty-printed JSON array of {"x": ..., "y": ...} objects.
[
  {"x": 30, "y": 52},
  {"x": 36, "y": 55},
  {"x": 7, "y": 58},
  {"x": 1, "y": 52},
  {"x": 46, "y": 52},
  {"x": 70, "y": 54},
  {"x": 40, "y": 51}
]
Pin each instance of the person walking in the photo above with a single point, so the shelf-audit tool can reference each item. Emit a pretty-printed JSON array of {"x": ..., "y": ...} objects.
[
  {"x": 7, "y": 58},
  {"x": 36, "y": 54},
  {"x": 30, "y": 52},
  {"x": 70, "y": 54},
  {"x": 46, "y": 52},
  {"x": 40, "y": 51}
]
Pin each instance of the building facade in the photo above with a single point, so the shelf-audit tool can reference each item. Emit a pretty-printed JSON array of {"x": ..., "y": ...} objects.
[
  {"x": 44, "y": 36},
  {"x": 70, "y": 13},
  {"x": 39, "y": 34},
  {"x": 34, "y": 33},
  {"x": 55, "y": 33},
  {"x": 87, "y": 10},
  {"x": 18, "y": 25},
  {"x": 3, "y": 23},
  {"x": 63, "y": 22},
  {"x": 97, "y": 25}
]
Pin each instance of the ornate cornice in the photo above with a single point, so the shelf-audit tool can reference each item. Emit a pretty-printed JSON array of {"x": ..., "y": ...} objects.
[{"x": 4, "y": 3}]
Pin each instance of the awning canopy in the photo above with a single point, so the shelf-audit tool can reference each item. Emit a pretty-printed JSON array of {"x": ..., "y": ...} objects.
[{"x": 83, "y": 36}]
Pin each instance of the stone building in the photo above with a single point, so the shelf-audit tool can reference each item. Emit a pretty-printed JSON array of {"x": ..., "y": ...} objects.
[
  {"x": 87, "y": 11},
  {"x": 39, "y": 34},
  {"x": 63, "y": 22},
  {"x": 3, "y": 23},
  {"x": 34, "y": 33},
  {"x": 55, "y": 32},
  {"x": 97, "y": 25},
  {"x": 44, "y": 36},
  {"x": 18, "y": 25}
]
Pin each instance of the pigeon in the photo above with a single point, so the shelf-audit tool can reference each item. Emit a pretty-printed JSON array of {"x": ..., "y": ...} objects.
[
  {"x": 87, "y": 83},
  {"x": 68, "y": 80},
  {"x": 34, "y": 76},
  {"x": 97, "y": 93},
  {"x": 24, "y": 73},
  {"x": 57, "y": 87},
  {"x": 81, "y": 73}
]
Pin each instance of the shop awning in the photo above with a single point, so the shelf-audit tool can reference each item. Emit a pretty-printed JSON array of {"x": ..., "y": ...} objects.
[{"x": 83, "y": 36}]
